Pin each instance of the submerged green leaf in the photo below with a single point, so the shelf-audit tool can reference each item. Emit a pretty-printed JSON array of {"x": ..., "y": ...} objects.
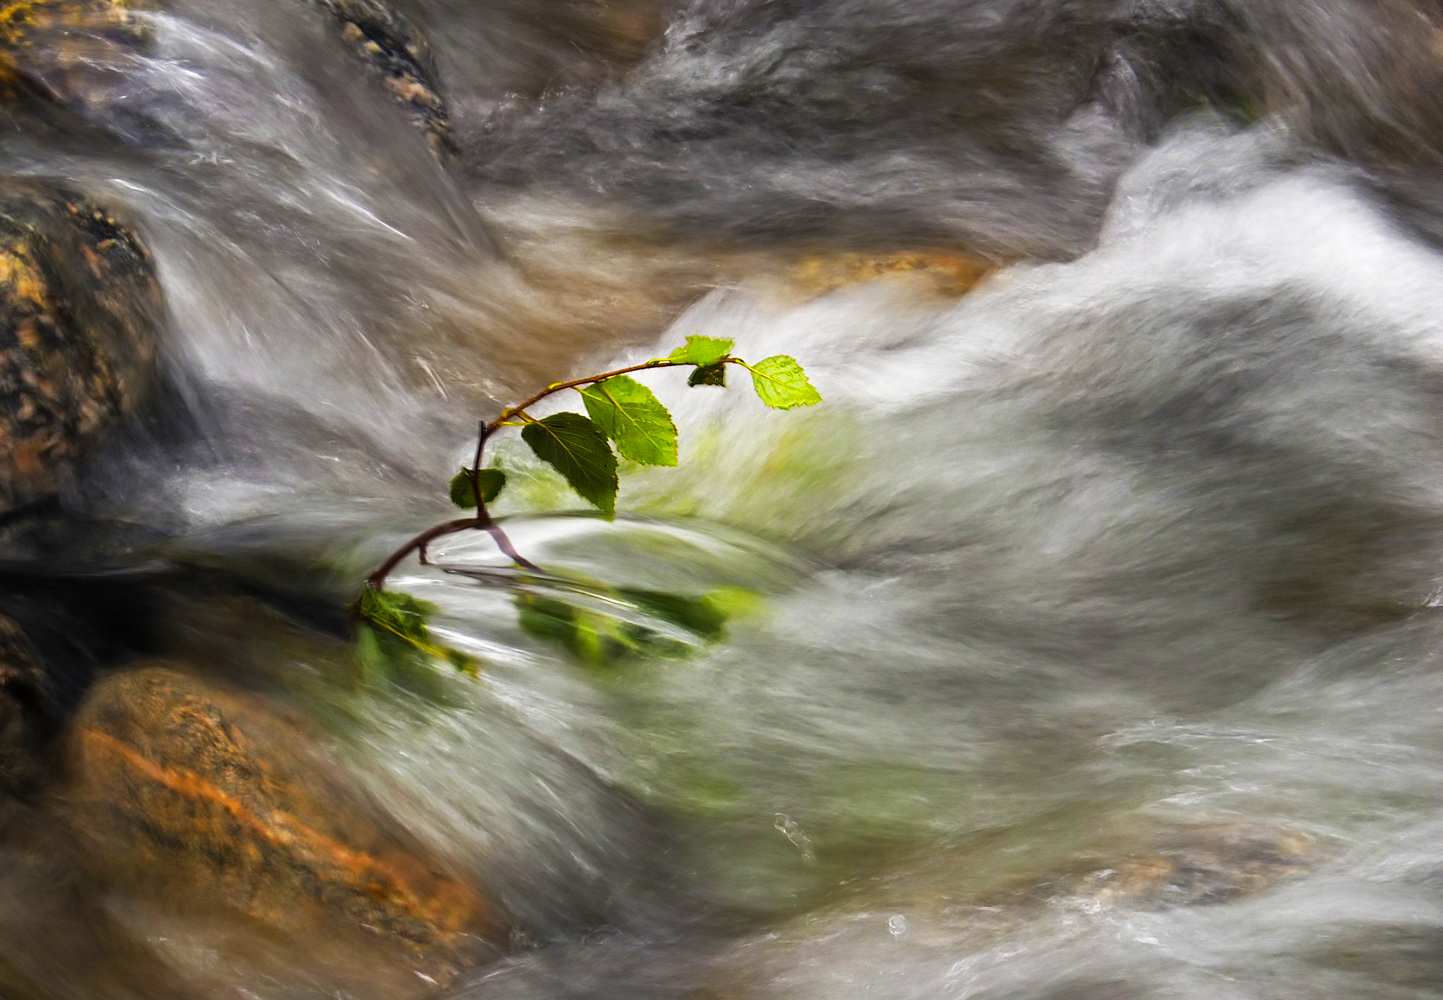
[
  {"x": 630, "y": 414},
  {"x": 398, "y": 613},
  {"x": 463, "y": 491},
  {"x": 600, "y": 639},
  {"x": 463, "y": 662},
  {"x": 577, "y": 448},
  {"x": 709, "y": 375},
  {"x": 702, "y": 351},
  {"x": 697, "y": 615},
  {"x": 395, "y": 643},
  {"x": 781, "y": 383}
]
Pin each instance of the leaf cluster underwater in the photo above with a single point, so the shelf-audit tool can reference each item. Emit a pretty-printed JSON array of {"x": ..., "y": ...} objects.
[{"x": 614, "y": 625}]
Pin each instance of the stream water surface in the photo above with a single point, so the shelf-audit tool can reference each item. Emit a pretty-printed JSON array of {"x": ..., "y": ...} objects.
[{"x": 1130, "y": 552}]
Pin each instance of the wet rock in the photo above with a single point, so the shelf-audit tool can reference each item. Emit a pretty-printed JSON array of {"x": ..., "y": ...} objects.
[
  {"x": 69, "y": 52},
  {"x": 80, "y": 312},
  {"x": 1205, "y": 865},
  {"x": 197, "y": 795},
  {"x": 25, "y": 711},
  {"x": 393, "y": 47},
  {"x": 949, "y": 904},
  {"x": 949, "y": 274}
]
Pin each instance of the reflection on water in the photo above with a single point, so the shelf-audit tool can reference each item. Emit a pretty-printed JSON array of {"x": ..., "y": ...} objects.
[{"x": 1082, "y": 644}]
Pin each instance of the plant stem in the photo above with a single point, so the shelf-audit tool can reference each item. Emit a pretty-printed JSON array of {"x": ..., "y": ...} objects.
[
  {"x": 575, "y": 383},
  {"x": 482, "y": 520},
  {"x": 377, "y": 580}
]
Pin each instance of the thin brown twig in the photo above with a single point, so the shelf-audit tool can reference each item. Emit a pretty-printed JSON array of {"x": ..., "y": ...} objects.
[
  {"x": 574, "y": 383},
  {"x": 482, "y": 520}
]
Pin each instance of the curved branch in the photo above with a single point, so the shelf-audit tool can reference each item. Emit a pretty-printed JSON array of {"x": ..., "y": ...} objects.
[
  {"x": 377, "y": 580},
  {"x": 575, "y": 383},
  {"x": 482, "y": 520}
]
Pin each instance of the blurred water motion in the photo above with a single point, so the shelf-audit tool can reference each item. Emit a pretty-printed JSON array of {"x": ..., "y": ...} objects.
[{"x": 1083, "y": 644}]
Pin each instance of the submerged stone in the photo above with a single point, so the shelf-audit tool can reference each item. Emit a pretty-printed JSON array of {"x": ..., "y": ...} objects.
[
  {"x": 396, "y": 51},
  {"x": 192, "y": 794},
  {"x": 1193, "y": 866},
  {"x": 80, "y": 312}
]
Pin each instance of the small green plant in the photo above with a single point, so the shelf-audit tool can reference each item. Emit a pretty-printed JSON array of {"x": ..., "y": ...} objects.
[{"x": 620, "y": 412}]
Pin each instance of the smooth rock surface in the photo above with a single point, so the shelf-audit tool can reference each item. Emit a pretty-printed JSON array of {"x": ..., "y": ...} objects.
[{"x": 192, "y": 794}]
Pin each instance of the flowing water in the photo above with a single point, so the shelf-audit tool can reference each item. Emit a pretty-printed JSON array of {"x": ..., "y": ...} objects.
[{"x": 1142, "y": 534}]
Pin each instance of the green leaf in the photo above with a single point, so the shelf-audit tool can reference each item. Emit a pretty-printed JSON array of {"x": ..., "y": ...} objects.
[
  {"x": 463, "y": 662},
  {"x": 701, "y": 351},
  {"x": 578, "y": 450},
  {"x": 394, "y": 643},
  {"x": 698, "y": 616},
  {"x": 709, "y": 375},
  {"x": 781, "y": 383},
  {"x": 631, "y": 415},
  {"x": 463, "y": 492},
  {"x": 399, "y": 613},
  {"x": 370, "y": 655}
]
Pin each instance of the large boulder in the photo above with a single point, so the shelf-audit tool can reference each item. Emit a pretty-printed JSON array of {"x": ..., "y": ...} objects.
[
  {"x": 191, "y": 794},
  {"x": 80, "y": 313}
]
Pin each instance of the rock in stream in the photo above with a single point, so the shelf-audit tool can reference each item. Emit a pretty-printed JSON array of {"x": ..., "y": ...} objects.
[
  {"x": 80, "y": 318},
  {"x": 190, "y": 793}
]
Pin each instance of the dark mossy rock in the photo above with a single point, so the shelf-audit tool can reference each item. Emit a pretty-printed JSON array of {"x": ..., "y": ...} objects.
[
  {"x": 26, "y": 711},
  {"x": 70, "y": 52},
  {"x": 80, "y": 313},
  {"x": 396, "y": 50},
  {"x": 192, "y": 793}
]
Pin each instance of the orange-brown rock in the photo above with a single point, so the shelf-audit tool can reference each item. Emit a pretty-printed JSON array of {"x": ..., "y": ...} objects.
[
  {"x": 198, "y": 795},
  {"x": 950, "y": 274}
]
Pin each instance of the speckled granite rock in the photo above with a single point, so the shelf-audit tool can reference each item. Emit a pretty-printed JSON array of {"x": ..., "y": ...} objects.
[
  {"x": 395, "y": 49},
  {"x": 69, "y": 52},
  {"x": 80, "y": 313}
]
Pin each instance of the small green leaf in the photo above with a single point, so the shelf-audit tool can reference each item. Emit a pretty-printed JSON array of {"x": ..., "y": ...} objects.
[
  {"x": 697, "y": 616},
  {"x": 463, "y": 662},
  {"x": 463, "y": 493},
  {"x": 578, "y": 450},
  {"x": 781, "y": 383},
  {"x": 631, "y": 415},
  {"x": 399, "y": 613},
  {"x": 709, "y": 375},
  {"x": 701, "y": 351},
  {"x": 370, "y": 655}
]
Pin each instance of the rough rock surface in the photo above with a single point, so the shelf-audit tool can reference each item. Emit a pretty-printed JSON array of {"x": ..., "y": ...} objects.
[
  {"x": 193, "y": 793},
  {"x": 80, "y": 313},
  {"x": 24, "y": 711},
  {"x": 1198, "y": 866},
  {"x": 68, "y": 51},
  {"x": 396, "y": 50}
]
